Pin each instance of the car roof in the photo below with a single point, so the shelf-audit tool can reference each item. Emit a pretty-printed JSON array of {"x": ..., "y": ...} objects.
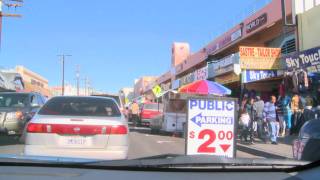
[
  {"x": 26, "y": 93},
  {"x": 85, "y": 97}
]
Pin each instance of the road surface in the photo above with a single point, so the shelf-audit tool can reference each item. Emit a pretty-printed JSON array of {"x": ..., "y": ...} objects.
[{"x": 142, "y": 144}]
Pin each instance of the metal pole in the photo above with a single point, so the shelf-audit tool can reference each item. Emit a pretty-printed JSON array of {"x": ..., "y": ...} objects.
[
  {"x": 78, "y": 76},
  {"x": 62, "y": 76}
]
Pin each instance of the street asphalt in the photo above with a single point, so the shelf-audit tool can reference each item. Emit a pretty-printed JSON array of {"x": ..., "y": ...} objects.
[{"x": 143, "y": 144}]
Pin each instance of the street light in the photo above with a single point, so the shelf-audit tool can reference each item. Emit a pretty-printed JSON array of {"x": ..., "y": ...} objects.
[{"x": 62, "y": 84}]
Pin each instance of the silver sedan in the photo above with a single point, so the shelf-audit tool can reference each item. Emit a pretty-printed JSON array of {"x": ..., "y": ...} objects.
[{"x": 78, "y": 127}]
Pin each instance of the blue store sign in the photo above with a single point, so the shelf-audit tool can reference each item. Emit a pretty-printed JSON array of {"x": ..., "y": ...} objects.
[
  {"x": 308, "y": 60},
  {"x": 256, "y": 75}
]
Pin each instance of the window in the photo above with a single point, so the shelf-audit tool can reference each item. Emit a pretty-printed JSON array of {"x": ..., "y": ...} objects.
[
  {"x": 288, "y": 46},
  {"x": 80, "y": 106},
  {"x": 40, "y": 100},
  {"x": 13, "y": 100}
]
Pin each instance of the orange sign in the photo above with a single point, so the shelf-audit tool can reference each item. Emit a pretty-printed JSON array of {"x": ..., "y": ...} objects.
[{"x": 259, "y": 58}]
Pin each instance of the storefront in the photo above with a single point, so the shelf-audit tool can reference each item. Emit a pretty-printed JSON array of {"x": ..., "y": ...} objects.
[
  {"x": 302, "y": 74},
  {"x": 261, "y": 74}
]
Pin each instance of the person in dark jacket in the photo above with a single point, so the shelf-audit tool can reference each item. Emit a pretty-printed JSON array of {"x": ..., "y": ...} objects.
[{"x": 250, "y": 108}]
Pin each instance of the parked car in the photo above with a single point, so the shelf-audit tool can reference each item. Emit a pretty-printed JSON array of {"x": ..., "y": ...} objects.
[
  {"x": 16, "y": 109},
  {"x": 307, "y": 145},
  {"x": 148, "y": 111},
  {"x": 77, "y": 127}
]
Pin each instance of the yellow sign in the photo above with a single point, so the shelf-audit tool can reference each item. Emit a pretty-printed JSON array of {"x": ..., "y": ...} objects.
[
  {"x": 157, "y": 90},
  {"x": 259, "y": 58}
]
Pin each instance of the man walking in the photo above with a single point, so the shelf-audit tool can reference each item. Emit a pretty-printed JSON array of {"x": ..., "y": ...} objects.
[
  {"x": 135, "y": 113},
  {"x": 269, "y": 116}
]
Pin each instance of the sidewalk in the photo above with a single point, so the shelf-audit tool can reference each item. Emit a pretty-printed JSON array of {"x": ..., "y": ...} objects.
[{"x": 281, "y": 151}]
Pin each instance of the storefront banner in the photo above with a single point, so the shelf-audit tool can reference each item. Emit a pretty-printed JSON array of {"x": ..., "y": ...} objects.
[
  {"x": 256, "y": 23},
  {"x": 259, "y": 58},
  {"x": 308, "y": 60},
  {"x": 224, "y": 65},
  {"x": 189, "y": 78},
  {"x": 226, "y": 61},
  {"x": 165, "y": 86},
  {"x": 201, "y": 74},
  {"x": 225, "y": 41},
  {"x": 256, "y": 75}
]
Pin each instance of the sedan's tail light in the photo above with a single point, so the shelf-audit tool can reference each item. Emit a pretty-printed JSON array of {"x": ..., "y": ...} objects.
[{"x": 76, "y": 129}]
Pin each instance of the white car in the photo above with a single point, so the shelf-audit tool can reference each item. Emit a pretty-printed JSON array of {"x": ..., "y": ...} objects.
[{"x": 78, "y": 127}]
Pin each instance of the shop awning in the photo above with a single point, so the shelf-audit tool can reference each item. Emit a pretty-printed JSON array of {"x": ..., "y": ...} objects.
[{"x": 205, "y": 87}]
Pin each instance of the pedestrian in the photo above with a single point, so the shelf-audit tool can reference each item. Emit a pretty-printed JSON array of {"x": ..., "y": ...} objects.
[
  {"x": 308, "y": 113},
  {"x": 259, "y": 106},
  {"x": 296, "y": 108},
  {"x": 286, "y": 102},
  {"x": 270, "y": 117},
  {"x": 135, "y": 110},
  {"x": 280, "y": 117},
  {"x": 244, "y": 124},
  {"x": 252, "y": 114}
]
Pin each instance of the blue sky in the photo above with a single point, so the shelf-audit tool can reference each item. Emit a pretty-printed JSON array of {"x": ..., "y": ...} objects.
[{"x": 113, "y": 42}]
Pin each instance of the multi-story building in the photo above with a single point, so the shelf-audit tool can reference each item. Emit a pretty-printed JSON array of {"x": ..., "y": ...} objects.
[
  {"x": 70, "y": 90},
  {"x": 33, "y": 82},
  {"x": 142, "y": 85},
  {"x": 219, "y": 60}
]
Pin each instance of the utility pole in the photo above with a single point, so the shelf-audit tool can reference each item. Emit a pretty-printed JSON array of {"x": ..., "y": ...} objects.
[
  {"x": 85, "y": 85},
  {"x": 78, "y": 79},
  {"x": 62, "y": 84},
  {"x": 9, "y": 5}
]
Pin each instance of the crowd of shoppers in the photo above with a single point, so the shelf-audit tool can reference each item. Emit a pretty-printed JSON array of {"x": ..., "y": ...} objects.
[{"x": 277, "y": 117}]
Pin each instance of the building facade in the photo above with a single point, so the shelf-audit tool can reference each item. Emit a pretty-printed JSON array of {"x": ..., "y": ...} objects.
[{"x": 34, "y": 82}]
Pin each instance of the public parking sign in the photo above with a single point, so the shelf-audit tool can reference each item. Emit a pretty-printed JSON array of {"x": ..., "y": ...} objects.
[{"x": 211, "y": 126}]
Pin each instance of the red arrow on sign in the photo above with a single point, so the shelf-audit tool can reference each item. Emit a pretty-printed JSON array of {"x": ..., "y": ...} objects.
[{"x": 225, "y": 147}]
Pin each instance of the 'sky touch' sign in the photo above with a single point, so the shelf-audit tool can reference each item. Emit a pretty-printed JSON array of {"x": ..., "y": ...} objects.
[
  {"x": 308, "y": 59},
  {"x": 211, "y": 127}
]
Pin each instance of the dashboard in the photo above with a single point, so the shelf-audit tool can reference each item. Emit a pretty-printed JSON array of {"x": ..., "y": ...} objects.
[{"x": 33, "y": 172}]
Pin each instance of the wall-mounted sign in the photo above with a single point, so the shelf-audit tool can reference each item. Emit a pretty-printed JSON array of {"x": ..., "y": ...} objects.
[
  {"x": 256, "y": 75},
  {"x": 227, "y": 39},
  {"x": 226, "y": 61},
  {"x": 230, "y": 38},
  {"x": 259, "y": 58},
  {"x": 223, "y": 66},
  {"x": 201, "y": 74},
  {"x": 189, "y": 78},
  {"x": 308, "y": 60},
  {"x": 165, "y": 86},
  {"x": 256, "y": 23}
]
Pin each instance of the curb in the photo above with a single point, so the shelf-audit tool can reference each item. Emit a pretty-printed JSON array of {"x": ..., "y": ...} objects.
[{"x": 259, "y": 152}]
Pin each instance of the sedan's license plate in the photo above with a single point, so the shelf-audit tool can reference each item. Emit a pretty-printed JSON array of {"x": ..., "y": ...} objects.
[{"x": 76, "y": 141}]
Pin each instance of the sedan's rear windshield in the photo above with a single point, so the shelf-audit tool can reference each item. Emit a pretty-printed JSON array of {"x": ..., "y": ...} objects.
[{"x": 80, "y": 106}]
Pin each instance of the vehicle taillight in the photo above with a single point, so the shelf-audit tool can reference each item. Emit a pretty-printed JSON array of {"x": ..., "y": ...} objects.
[
  {"x": 120, "y": 129},
  {"x": 76, "y": 129},
  {"x": 35, "y": 128}
]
